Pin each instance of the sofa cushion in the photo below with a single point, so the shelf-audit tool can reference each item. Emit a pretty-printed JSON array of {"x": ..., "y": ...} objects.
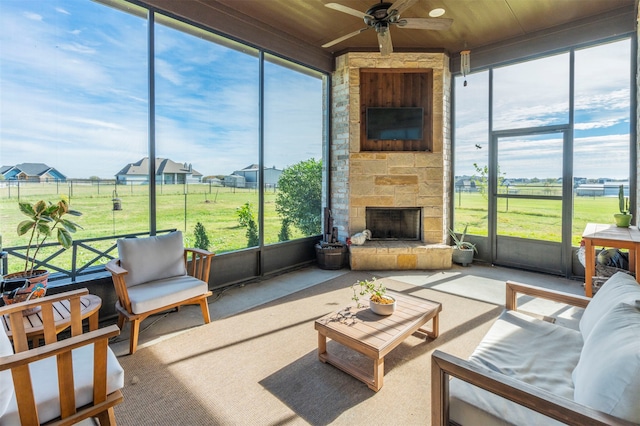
[
  {"x": 607, "y": 376},
  {"x": 152, "y": 258},
  {"x": 44, "y": 377},
  {"x": 524, "y": 348},
  {"x": 619, "y": 288},
  {"x": 6, "y": 381},
  {"x": 160, "y": 293}
]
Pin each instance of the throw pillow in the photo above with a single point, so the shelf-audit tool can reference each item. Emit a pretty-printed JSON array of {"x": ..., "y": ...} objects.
[
  {"x": 607, "y": 377},
  {"x": 152, "y": 258},
  {"x": 619, "y": 288}
]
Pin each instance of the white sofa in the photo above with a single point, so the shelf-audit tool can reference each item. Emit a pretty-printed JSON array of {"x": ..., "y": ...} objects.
[{"x": 527, "y": 371}]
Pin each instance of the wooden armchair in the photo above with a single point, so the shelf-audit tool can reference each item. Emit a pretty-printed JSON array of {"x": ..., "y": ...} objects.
[
  {"x": 156, "y": 274},
  {"x": 62, "y": 382}
]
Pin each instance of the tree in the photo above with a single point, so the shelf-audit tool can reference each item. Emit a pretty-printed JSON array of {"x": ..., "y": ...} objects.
[
  {"x": 202, "y": 239},
  {"x": 246, "y": 219},
  {"x": 299, "y": 198}
]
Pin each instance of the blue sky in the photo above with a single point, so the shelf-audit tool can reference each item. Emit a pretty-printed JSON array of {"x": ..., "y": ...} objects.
[
  {"x": 535, "y": 94},
  {"x": 74, "y": 95}
]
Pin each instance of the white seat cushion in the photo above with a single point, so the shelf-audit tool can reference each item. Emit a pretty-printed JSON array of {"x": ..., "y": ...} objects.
[
  {"x": 607, "y": 376},
  {"x": 6, "y": 381},
  {"x": 152, "y": 258},
  {"x": 156, "y": 294},
  {"x": 524, "y": 348},
  {"x": 619, "y": 288},
  {"x": 44, "y": 378}
]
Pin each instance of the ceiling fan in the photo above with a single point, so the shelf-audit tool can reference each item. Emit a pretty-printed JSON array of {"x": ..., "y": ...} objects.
[{"x": 381, "y": 16}]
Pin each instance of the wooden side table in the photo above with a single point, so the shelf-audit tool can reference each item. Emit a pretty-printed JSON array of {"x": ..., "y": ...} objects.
[
  {"x": 604, "y": 235},
  {"x": 90, "y": 305}
]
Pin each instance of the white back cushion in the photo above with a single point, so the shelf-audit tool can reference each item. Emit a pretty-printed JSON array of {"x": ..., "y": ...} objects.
[
  {"x": 619, "y": 288},
  {"x": 607, "y": 376},
  {"x": 152, "y": 258},
  {"x": 6, "y": 380}
]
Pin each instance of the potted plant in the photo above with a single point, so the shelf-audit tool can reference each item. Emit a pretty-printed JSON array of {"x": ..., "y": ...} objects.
[
  {"x": 44, "y": 219},
  {"x": 462, "y": 250},
  {"x": 379, "y": 302},
  {"x": 623, "y": 219}
]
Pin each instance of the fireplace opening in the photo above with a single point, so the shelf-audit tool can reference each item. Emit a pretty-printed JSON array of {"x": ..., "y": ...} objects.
[{"x": 394, "y": 223}]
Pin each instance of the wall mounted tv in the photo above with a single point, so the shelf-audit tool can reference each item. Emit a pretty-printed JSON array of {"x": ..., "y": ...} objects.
[{"x": 395, "y": 123}]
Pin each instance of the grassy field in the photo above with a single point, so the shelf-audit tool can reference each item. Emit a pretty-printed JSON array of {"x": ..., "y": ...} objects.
[
  {"x": 535, "y": 219},
  {"x": 214, "y": 207}
]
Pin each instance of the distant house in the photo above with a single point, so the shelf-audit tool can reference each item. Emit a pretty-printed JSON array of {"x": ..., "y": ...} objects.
[
  {"x": 234, "y": 181},
  {"x": 167, "y": 172},
  {"x": 250, "y": 174},
  {"x": 32, "y": 172}
]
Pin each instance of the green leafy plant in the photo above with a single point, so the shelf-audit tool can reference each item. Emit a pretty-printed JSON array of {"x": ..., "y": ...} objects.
[
  {"x": 460, "y": 243},
  {"x": 202, "y": 239},
  {"x": 299, "y": 197},
  {"x": 623, "y": 202},
  {"x": 45, "y": 219},
  {"x": 376, "y": 291},
  {"x": 246, "y": 219}
]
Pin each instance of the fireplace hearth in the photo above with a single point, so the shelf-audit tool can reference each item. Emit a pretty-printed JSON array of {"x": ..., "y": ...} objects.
[{"x": 391, "y": 224}]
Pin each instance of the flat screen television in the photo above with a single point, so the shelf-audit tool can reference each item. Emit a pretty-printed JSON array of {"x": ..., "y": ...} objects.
[{"x": 396, "y": 123}]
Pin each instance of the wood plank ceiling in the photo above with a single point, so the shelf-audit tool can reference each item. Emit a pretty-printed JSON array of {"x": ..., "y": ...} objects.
[{"x": 475, "y": 22}]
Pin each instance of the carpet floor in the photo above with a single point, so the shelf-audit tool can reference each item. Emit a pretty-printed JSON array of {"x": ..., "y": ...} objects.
[{"x": 261, "y": 367}]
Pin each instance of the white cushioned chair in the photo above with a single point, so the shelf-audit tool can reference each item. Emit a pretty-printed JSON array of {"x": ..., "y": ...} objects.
[
  {"x": 155, "y": 274},
  {"x": 62, "y": 382}
]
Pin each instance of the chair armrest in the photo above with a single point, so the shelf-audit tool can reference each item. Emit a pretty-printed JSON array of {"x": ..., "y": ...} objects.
[
  {"x": 564, "y": 410},
  {"x": 198, "y": 263},
  {"x": 115, "y": 268},
  {"x": 513, "y": 288},
  {"x": 22, "y": 381},
  {"x": 117, "y": 274}
]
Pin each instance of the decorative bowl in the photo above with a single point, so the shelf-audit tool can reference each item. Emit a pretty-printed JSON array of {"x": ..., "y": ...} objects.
[{"x": 383, "y": 308}]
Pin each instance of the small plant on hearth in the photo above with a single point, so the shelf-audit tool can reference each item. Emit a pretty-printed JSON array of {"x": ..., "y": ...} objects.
[{"x": 376, "y": 291}]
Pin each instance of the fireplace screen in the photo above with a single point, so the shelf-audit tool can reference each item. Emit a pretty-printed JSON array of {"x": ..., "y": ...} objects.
[{"x": 394, "y": 223}]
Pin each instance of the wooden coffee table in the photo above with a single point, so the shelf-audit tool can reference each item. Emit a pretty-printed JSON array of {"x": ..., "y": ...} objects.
[{"x": 374, "y": 335}]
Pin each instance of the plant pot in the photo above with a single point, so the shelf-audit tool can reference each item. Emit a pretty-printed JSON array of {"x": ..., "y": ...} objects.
[
  {"x": 623, "y": 220},
  {"x": 383, "y": 308},
  {"x": 331, "y": 256},
  {"x": 462, "y": 256},
  {"x": 33, "y": 286}
]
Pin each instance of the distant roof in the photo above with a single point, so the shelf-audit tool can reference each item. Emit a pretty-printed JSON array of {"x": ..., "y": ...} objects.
[
  {"x": 163, "y": 165},
  {"x": 31, "y": 169}
]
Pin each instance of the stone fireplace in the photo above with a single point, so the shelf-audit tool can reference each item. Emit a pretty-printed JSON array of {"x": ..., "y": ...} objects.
[{"x": 394, "y": 180}]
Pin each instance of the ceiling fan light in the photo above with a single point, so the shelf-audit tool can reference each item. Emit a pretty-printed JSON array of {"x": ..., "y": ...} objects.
[{"x": 437, "y": 12}]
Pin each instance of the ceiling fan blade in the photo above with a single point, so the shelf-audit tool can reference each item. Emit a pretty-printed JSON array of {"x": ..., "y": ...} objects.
[
  {"x": 384, "y": 41},
  {"x": 348, "y": 10},
  {"x": 401, "y": 5},
  {"x": 425, "y": 23},
  {"x": 344, "y": 37}
]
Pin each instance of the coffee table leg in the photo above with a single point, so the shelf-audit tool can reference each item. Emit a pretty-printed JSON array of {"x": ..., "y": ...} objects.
[
  {"x": 378, "y": 374},
  {"x": 322, "y": 346},
  {"x": 435, "y": 327}
]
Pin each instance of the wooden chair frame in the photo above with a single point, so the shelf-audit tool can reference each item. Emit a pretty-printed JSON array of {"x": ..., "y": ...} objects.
[
  {"x": 444, "y": 366},
  {"x": 198, "y": 265},
  {"x": 103, "y": 403}
]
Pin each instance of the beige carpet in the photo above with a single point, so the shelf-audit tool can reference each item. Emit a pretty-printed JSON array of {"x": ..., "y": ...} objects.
[{"x": 260, "y": 367}]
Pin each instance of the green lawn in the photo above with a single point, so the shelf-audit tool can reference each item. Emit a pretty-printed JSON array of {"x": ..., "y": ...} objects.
[
  {"x": 214, "y": 207},
  {"x": 536, "y": 219}
]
